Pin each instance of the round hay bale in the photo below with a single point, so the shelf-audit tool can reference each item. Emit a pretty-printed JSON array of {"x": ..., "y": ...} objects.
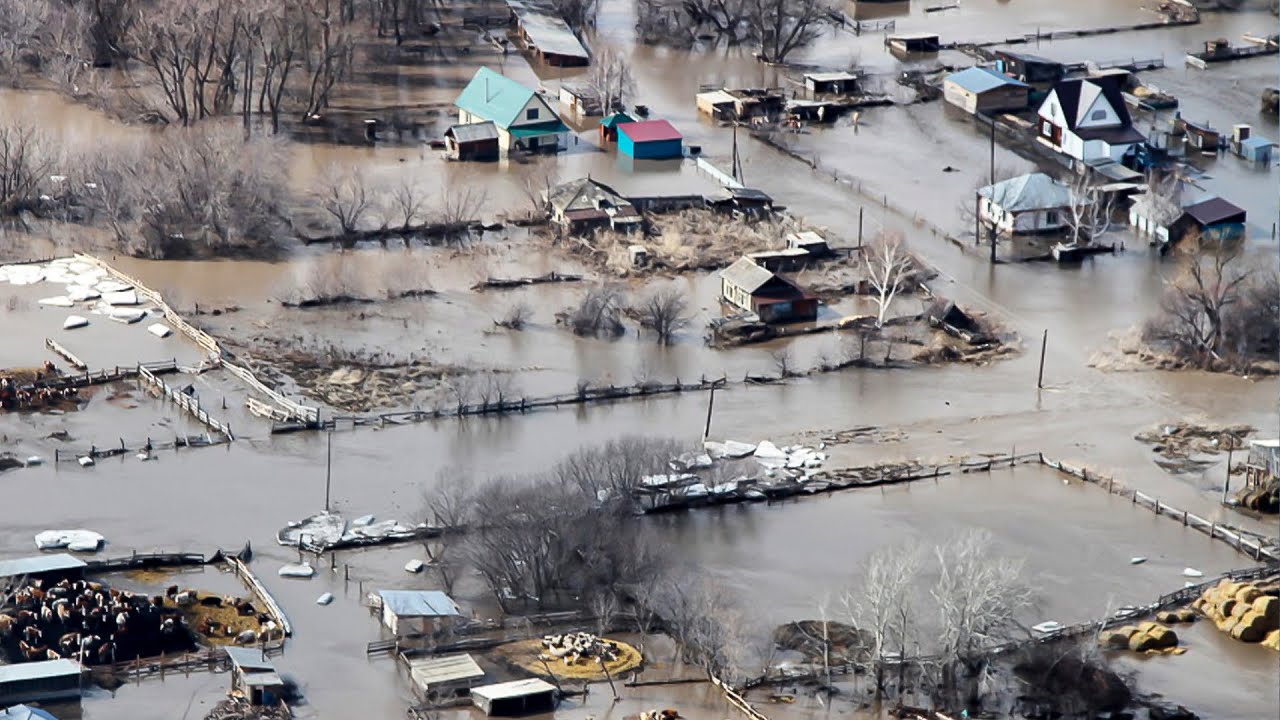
[
  {"x": 1113, "y": 640},
  {"x": 1166, "y": 617},
  {"x": 1163, "y": 637},
  {"x": 1268, "y": 606},
  {"x": 1142, "y": 642},
  {"x": 1227, "y": 623},
  {"x": 1186, "y": 615},
  {"x": 1273, "y": 640},
  {"x": 1225, "y": 607},
  {"x": 1127, "y": 630},
  {"x": 1239, "y": 609},
  {"x": 1247, "y": 594},
  {"x": 1147, "y": 626},
  {"x": 1246, "y": 633},
  {"x": 1227, "y": 588}
]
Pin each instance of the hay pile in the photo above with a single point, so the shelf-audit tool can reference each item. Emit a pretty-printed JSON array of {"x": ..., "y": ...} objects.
[
  {"x": 1247, "y": 612},
  {"x": 533, "y": 656},
  {"x": 691, "y": 240},
  {"x": 1145, "y": 637}
]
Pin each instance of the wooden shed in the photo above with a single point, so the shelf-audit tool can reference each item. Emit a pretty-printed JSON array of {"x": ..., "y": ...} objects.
[
  {"x": 473, "y": 141},
  {"x": 773, "y": 298},
  {"x": 438, "y": 678},
  {"x": 518, "y": 697},
  {"x": 408, "y": 612},
  {"x": 254, "y": 677},
  {"x": 45, "y": 680},
  {"x": 831, "y": 83},
  {"x": 979, "y": 90}
]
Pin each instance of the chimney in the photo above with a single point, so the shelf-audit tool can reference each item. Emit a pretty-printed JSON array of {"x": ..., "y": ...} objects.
[{"x": 487, "y": 96}]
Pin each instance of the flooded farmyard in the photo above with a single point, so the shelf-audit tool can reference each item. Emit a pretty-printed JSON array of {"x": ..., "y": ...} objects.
[{"x": 429, "y": 359}]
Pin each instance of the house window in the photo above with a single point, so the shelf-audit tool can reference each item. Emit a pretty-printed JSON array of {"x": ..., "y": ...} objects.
[
  {"x": 531, "y": 114},
  {"x": 1051, "y": 217},
  {"x": 1098, "y": 115},
  {"x": 1046, "y": 129}
]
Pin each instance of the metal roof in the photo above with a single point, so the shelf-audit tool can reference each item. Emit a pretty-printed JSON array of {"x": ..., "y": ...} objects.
[
  {"x": 747, "y": 275},
  {"x": 429, "y": 671},
  {"x": 978, "y": 80},
  {"x": 263, "y": 679},
  {"x": 474, "y": 132},
  {"x": 495, "y": 97},
  {"x": 1214, "y": 211},
  {"x": 553, "y": 127},
  {"x": 718, "y": 97},
  {"x": 249, "y": 660},
  {"x": 546, "y": 30},
  {"x": 1256, "y": 142},
  {"x": 25, "y": 712},
  {"x": 37, "y": 670},
  {"x": 1035, "y": 191},
  {"x": 39, "y": 564},
  {"x": 830, "y": 76},
  {"x": 650, "y": 131},
  {"x": 418, "y": 603},
  {"x": 616, "y": 119},
  {"x": 515, "y": 688}
]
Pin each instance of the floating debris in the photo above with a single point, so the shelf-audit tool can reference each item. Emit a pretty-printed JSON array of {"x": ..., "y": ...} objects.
[
  {"x": 325, "y": 599},
  {"x": 80, "y": 540},
  {"x": 1137, "y": 560},
  {"x": 74, "y": 321},
  {"x": 59, "y": 301},
  {"x": 160, "y": 330},
  {"x": 35, "y": 460},
  {"x": 85, "y": 461},
  {"x": 297, "y": 570},
  {"x": 1191, "y": 572},
  {"x": 414, "y": 566}
]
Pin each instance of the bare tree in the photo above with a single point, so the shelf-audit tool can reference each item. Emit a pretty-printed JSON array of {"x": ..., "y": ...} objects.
[
  {"x": 780, "y": 27},
  {"x": 24, "y": 163},
  {"x": 407, "y": 201},
  {"x": 665, "y": 312},
  {"x": 598, "y": 313},
  {"x": 1090, "y": 212},
  {"x": 516, "y": 316},
  {"x": 344, "y": 194},
  {"x": 885, "y": 607},
  {"x": 681, "y": 22},
  {"x": 888, "y": 267},
  {"x": 460, "y": 204},
  {"x": 1194, "y": 310},
  {"x": 782, "y": 361},
  {"x": 610, "y": 79},
  {"x": 536, "y": 183},
  {"x": 1161, "y": 203},
  {"x": 578, "y": 14}
]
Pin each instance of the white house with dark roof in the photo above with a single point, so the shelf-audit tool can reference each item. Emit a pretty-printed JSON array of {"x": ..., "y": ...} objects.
[
  {"x": 1024, "y": 205},
  {"x": 1086, "y": 119}
]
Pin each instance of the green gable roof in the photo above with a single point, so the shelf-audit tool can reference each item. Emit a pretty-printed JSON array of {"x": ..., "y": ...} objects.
[
  {"x": 494, "y": 97},
  {"x": 616, "y": 119}
]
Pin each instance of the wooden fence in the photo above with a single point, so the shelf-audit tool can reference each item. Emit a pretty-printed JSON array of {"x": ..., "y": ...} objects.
[
  {"x": 190, "y": 403},
  {"x": 737, "y": 700},
  {"x": 66, "y": 354},
  {"x": 138, "y": 561},
  {"x": 260, "y": 593}
]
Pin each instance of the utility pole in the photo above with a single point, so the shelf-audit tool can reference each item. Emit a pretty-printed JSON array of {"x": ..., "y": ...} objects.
[
  {"x": 1227, "y": 487},
  {"x": 328, "y": 469},
  {"x": 711, "y": 401},
  {"x": 860, "y": 209},
  {"x": 1044, "y": 342},
  {"x": 993, "y": 151}
]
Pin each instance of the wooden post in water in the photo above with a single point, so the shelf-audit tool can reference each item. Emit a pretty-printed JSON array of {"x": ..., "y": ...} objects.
[
  {"x": 1226, "y": 488},
  {"x": 860, "y": 209},
  {"x": 1044, "y": 342},
  {"x": 711, "y": 401}
]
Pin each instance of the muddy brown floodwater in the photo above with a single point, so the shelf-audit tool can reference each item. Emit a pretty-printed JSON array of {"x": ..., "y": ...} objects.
[{"x": 1076, "y": 539}]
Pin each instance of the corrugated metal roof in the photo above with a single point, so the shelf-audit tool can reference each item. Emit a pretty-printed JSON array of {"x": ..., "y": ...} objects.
[
  {"x": 39, "y": 564},
  {"x": 38, "y": 670},
  {"x": 25, "y": 712},
  {"x": 474, "y": 132},
  {"x": 249, "y": 659},
  {"x": 263, "y": 679},
  {"x": 1215, "y": 210},
  {"x": 419, "y": 603},
  {"x": 1035, "y": 191},
  {"x": 429, "y": 671},
  {"x": 616, "y": 119},
  {"x": 495, "y": 97},
  {"x": 547, "y": 30},
  {"x": 978, "y": 80},
  {"x": 650, "y": 131},
  {"x": 747, "y": 275},
  {"x": 515, "y": 688},
  {"x": 1256, "y": 142},
  {"x": 830, "y": 76}
]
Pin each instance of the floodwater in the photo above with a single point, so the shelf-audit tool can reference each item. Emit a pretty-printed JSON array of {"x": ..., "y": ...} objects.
[{"x": 199, "y": 499}]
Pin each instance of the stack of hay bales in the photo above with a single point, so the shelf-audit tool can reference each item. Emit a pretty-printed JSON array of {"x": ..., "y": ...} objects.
[
  {"x": 1245, "y": 611},
  {"x": 1144, "y": 637}
]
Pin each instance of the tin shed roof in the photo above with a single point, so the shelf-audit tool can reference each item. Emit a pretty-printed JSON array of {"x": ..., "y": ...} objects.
[
  {"x": 978, "y": 80},
  {"x": 515, "y": 688},
  {"x": 650, "y": 131},
  {"x": 25, "y": 712},
  {"x": 495, "y": 97},
  {"x": 547, "y": 30},
  {"x": 474, "y": 132},
  {"x": 37, "y": 670},
  {"x": 429, "y": 671},
  {"x": 1034, "y": 191},
  {"x": 747, "y": 275},
  {"x": 249, "y": 660},
  {"x": 419, "y": 603},
  {"x": 1214, "y": 211},
  {"x": 39, "y": 564}
]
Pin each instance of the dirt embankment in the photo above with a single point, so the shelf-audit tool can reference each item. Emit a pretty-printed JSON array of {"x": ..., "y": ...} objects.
[{"x": 1184, "y": 447}]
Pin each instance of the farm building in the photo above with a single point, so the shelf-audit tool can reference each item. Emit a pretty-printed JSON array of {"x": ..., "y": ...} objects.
[
  {"x": 518, "y": 697},
  {"x": 650, "y": 140},
  {"x": 809, "y": 241},
  {"x": 725, "y": 104},
  {"x": 773, "y": 298},
  {"x": 546, "y": 35},
  {"x": 1201, "y": 136},
  {"x": 441, "y": 677},
  {"x": 60, "y": 564},
  {"x": 1214, "y": 219},
  {"x": 979, "y": 90},
  {"x": 254, "y": 678},
  {"x": 477, "y": 141},
  {"x": 912, "y": 43},
  {"x": 831, "y": 83},
  {"x": 1257, "y": 149},
  {"x": 1038, "y": 72},
  {"x": 609, "y": 126},
  {"x": 1027, "y": 204},
  {"x": 522, "y": 117},
  {"x": 408, "y": 612},
  {"x": 1086, "y": 119},
  {"x": 583, "y": 205},
  {"x": 45, "y": 680}
]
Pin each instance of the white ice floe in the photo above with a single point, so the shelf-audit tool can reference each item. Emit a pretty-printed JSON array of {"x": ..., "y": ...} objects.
[
  {"x": 414, "y": 566},
  {"x": 107, "y": 287},
  {"x": 160, "y": 330},
  {"x": 127, "y": 316},
  {"x": 35, "y": 460},
  {"x": 297, "y": 570},
  {"x": 74, "y": 321},
  {"x": 1048, "y": 626},
  {"x": 80, "y": 293},
  {"x": 362, "y": 521},
  {"x": 121, "y": 298},
  {"x": 1137, "y": 560},
  {"x": 691, "y": 461},
  {"x": 325, "y": 599},
  {"x": 80, "y": 540},
  {"x": 85, "y": 461},
  {"x": 1191, "y": 572},
  {"x": 57, "y": 301}
]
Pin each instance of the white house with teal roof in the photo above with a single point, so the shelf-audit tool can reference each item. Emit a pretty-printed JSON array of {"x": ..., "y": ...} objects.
[{"x": 524, "y": 119}]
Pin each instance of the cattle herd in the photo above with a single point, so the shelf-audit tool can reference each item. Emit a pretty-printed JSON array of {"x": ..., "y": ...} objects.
[
  {"x": 574, "y": 647},
  {"x": 87, "y": 621},
  {"x": 15, "y": 396}
]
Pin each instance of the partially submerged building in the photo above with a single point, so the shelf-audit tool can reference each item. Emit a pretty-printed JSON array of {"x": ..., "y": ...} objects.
[
  {"x": 913, "y": 43},
  {"x": 1024, "y": 205},
  {"x": 650, "y": 140},
  {"x": 442, "y": 677},
  {"x": 1213, "y": 220},
  {"x": 1086, "y": 119},
  {"x": 1039, "y": 72},
  {"x": 741, "y": 201},
  {"x": 254, "y": 677},
  {"x": 772, "y": 297},
  {"x": 410, "y": 612},
  {"x": 742, "y": 104},
  {"x": 474, "y": 141},
  {"x": 584, "y": 205},
  {"x": 979, "y": 90},
  {"x": 57, "y": 565},
  {"x": 43, "y": 681},
  {"x": 546, "y": 35},
  {"x": 609, "y": 126},
  {"x": 518, "y": 697},
  {"x": 831, "y": 83},
  {"x": 585, "y": 100},
  {"x": 523, "y": 118}
]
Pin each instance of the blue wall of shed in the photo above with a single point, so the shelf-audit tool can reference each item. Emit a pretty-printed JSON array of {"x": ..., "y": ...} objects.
[{"x": 653, "y": 150}]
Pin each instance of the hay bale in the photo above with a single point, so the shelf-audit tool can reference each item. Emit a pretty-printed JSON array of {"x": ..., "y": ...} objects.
[
  {"x": 1166, "y": 617},
  {"x": 1268, "y": 606},
  {"x": 1163, "y": 637},
  {"x": 1273, "y": 640},
  {"x": 1245, "y": 632},
  {"x": 1147, "y": 626},
  {"x": 1225, "y": 607},
  {"x": 1142, "y": 642},
  {"x": 1113, "y": 640},
  {"x": 1186, "y": 615},
  {"x": 1227, "y": 588},
  {"x": 1239, "y": 609},
  {"x": 1247, "y": 594},
  {"x": 1226, "y": 624}
]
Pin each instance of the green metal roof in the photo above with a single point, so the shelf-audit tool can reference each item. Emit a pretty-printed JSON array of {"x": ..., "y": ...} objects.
[
  {"x": 616, "y": 119},
  {"x": 494, "y": 97},
  {"x": 546, "y": 128}
]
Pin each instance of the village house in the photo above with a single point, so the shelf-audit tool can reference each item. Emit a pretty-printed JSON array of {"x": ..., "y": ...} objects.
[
  {"x": 1024, "y": 205},
  {"x": 583, "y": 99},
  {"x": 411, "y": 612},
  {"x": 254, "y": 678},
  {"x": 523, "y": 118},
  {"x": 650, "y": 140},
  {"x": 772, "y": 297},
  {"x": 1213, "y": 220},
  {"x": 476, "y": 141},
  {"x": 584, "y": 205},
  {"x": 1086, "y": 119},
  {"x": 979, "y": 90},
  {"x": 546, "y": 35}
]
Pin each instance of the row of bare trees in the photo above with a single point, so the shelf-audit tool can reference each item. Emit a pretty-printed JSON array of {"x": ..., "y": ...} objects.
[
  {"x": 406, "y": 208},
  {"x": 664, "y": 312},
  {"x": 777, "y": 28}
]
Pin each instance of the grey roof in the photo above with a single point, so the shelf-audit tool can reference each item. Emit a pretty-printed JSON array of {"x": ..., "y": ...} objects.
[
  {"x": 978, "y": 80},
  {"x": 1035, "y": 191},
  {"x": 263, "y": 679},
  {"x": 474, "y": 132},
  {"x": 418, "y": 603},
  {"x": 25, "y": 712},
  {"x": 39, "y": 564},
  {"x": 830, "y": 76},
  {"x": 249, "y": 659},
  {"x": 37, "y": 670},
  {"x": 1257, "y": 141},
  {"x": 584, "y": 194},
  {"x": 546, "y": 29},
  {"x": 515, "y": 688},
  {"x": 747, "y": 275},
  {"x": 430, "y": 671}
]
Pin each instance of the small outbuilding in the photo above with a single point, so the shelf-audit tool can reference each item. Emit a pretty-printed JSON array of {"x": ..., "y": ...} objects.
[
  {"x": 474, "y": 141},
  {"x": 518, "y": 697},
  {"x": 912, "y": 43},
  {"x": 1025, "y": 205},
  {"x": 1257, "y": 149},
  {"x": 831, "y": 83},
  {"x": 979, "y": 90},
  {"x": 60, "y": 564},
  {"x": 441, "y": 677},
  {"x": 407, "y": 612},
  {"x": 772, "y": 297},
  {"x": 546, "y": 35},
  {"x": 1215, "y": 220},
  {"x": 254, "y": 678},
  {"x": 42, "y": 681},
  {"x": 809, "y": 241},
  {"x": 650, "y": 140},
  {"x": 1039, "y": 72},
  {"x": 609, "y": 126}
]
